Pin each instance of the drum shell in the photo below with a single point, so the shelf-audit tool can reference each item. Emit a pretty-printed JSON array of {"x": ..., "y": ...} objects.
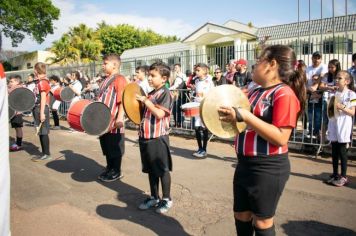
[
  {"x": 64, "y": 94},
  {"x": 80, "y": 113},
  {"x": 22, "y": 99},
  {"x": 191, "y": 111},
  {"x": 12, "y": 113}
]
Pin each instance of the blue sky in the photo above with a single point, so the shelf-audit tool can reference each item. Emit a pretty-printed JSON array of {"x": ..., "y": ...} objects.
[{"x": 184, "y": 16}]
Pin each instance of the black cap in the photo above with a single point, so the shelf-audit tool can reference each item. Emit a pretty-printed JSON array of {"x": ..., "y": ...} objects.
[{"x": 316, "y": 54}]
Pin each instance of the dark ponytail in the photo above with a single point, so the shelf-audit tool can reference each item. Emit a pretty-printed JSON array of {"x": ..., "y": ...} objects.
[{"x": 287, "y": 61}]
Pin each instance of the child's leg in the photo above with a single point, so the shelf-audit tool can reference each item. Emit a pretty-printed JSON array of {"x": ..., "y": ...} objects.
[
  {"x": 205, "y": 138},
  {"x": 44, "y": 139},
  {"x": 19, "y": 135},
  {"x": 343, "y": 158},
  {"x": 198, "y": 137},
  {"x": 154, "y": 181},
  {"x": 55, "y": 117},
  {"x": 335, "y": 156},
  {"x": 166, "y": 185}
]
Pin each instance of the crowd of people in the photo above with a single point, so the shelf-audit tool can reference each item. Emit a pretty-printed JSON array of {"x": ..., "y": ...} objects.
[{"x": 280, "y": 89}]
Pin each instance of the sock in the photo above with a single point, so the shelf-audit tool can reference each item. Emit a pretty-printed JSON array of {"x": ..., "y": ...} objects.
[
  {"x": 166, "y": 185},
  {"x": 244, "y": 228},
  {"x": 19, "y": 141}
]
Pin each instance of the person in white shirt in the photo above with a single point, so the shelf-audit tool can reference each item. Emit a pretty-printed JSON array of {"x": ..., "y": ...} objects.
[
  {"x": 316, "y": 68},
  {"x": 178, "y": 83},
  {"x": 340, "y": 126},
  {"x": 76, "y": 86},
  {"x": 202, "y": 86},
  {"x": 141, "y": 77}
]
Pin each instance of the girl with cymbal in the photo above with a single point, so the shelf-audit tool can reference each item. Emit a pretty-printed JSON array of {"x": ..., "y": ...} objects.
[{"x": 263, "y": 166}]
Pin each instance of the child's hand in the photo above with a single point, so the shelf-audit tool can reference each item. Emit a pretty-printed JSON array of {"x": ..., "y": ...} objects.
[
  {"x": 227, "y": 114},
  {"x": 141, "y": 98},
  {"x": 340, "y": 106}
]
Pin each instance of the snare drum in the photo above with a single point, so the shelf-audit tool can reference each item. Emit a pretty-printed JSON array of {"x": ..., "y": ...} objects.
[{"x": 191, "y": 109}]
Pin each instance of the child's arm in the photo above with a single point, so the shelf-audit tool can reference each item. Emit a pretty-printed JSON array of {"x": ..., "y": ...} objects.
[
  {"x": 42, "y": 106},
  {"x": 348, "y": 111},
  {"x": 157, "y": 112}
]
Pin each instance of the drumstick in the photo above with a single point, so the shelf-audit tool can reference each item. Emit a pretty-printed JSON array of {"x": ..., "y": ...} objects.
[{"x": 38, "y": 128}]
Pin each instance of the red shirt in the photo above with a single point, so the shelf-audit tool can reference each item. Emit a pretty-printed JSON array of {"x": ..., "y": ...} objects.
[
  {"x": 42, "y": 86},
  {"x": 276, "y": 105},
  {"x": 150, "y": 126},
  {"x": 112, "y": 97}
]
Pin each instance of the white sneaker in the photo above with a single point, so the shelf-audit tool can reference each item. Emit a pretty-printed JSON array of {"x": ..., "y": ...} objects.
[
  {"x": 164, "y": 205},
  {"x": 197, "y": 153},
  {"x": 56, "y": 127},
  {"x": 202, "y": 154}
]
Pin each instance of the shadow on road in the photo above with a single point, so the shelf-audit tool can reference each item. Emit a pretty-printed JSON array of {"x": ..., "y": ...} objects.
[
  {"x": 187, "y": 153},
  {"x": 84, "y": 169},
  {"x": 314, "y": 228},
  {"x": 324, "y": 176}
]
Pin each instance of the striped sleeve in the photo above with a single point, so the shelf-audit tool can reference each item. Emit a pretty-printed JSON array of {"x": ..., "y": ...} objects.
[{"x": 352, "y": 99}]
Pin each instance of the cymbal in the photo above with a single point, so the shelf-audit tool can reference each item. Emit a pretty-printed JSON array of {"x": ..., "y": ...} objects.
[
  {"x": 332, "y": 110},
  {"x": 132, "y": 107},
  {"x": 223, "y": 95}
]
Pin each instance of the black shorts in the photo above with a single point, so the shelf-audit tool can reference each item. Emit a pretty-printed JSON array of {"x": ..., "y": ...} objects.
[
  {"x": 17, "y": 121},
  {"x": 259, "y": 183},
  {"x": 155, "y": 155},
  {"x": 112, "y": 145},
  {"x": 36, "y": 118}
]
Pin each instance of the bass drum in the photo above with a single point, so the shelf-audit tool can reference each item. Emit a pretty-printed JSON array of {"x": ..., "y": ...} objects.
[
  {"x": 93, "y": 118},
  {"x": 64, "y": 94},
  {"x": 21, "y": 99},
  {"x": 12, "y": 113}
]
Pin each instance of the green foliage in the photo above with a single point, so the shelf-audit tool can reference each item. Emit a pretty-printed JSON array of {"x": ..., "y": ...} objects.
[
  {"x": 83, "y": 44},
  {"x": 79, "y": 45},
  {"x": 117, "y": 39},
  {"x": 32, "y": 17}
]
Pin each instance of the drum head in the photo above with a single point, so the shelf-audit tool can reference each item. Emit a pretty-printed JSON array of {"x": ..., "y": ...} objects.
[
  {"x": 132, "y": 107},
  {"x": 67, "y": 94},
  {"x": 11, "y": 113},
  {"x": 96, "y": 118},
  {"x": 223, "y": 95},
  {"x": 21, "y": 99}
]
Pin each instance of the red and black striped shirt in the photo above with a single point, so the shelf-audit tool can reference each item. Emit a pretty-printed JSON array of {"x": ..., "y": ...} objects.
[
  {"x": 150, "y": 126},
  {"x": 276, "y": 105},
  {"x": 112, "y": 96}
]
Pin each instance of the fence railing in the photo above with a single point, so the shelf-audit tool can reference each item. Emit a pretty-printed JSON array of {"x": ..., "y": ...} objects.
[{"x": 311, "y": 128}]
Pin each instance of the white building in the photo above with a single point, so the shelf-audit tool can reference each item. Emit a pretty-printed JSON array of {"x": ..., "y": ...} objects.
[{"x": 218, "y": 44}]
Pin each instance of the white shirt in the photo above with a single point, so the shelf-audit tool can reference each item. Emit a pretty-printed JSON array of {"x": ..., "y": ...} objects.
[
  {"x": 202, "y": 87},
  {"x": 77, "y": 87},
  {"x": 340, "y": 127},
  {"x": 145, "y": 86},
  {"x": 4, "y": 158},
  {"x": 310, "y": 71}
]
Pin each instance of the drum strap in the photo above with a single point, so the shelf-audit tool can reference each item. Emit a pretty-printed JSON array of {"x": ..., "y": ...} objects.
[{"x": 102, "y": 90}]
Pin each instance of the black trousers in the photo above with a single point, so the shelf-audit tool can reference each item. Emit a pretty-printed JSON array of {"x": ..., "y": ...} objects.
[
  {"x": 113, "y": 147},
  {"x": 339, "y": 152}
]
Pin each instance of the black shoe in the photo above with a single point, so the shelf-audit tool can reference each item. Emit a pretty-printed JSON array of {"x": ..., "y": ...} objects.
[
  {"x": 106, "y": 171},
  {"x": 112, "y": 175}
]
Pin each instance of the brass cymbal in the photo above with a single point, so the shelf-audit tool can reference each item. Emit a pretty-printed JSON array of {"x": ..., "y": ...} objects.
[
  {"x": 332, "y": 110},
  {"x": 132, "y": 107},
  {"x": 223, "y": 95}
]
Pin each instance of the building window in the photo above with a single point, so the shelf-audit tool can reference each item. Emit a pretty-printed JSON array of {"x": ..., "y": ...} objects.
[
  {"x": 349, "y": 46},
  {"x": 29, "y": 65},
  {"x": 307, "y": 48},
  {"x": 328, "y": 46}
]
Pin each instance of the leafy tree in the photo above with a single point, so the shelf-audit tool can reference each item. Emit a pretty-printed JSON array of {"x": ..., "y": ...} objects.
[
  {"x": 32, "y": 17},
  {"x": 117, "y": 39},
  {"x": 79, "y": 45}
]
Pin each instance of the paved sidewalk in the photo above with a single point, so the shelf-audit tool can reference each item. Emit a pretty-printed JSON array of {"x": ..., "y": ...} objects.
[{"x": 64, "y": 197}]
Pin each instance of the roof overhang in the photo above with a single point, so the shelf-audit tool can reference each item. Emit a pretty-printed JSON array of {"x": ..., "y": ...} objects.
[{"x": 209, "y": 33}]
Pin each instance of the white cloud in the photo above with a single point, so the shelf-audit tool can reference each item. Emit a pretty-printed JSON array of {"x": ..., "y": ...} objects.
[{"x": 90, "y": 14}]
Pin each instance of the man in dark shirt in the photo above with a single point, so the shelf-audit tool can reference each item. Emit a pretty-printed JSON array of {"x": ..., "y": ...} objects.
[{"x": 242, "y": 77}]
